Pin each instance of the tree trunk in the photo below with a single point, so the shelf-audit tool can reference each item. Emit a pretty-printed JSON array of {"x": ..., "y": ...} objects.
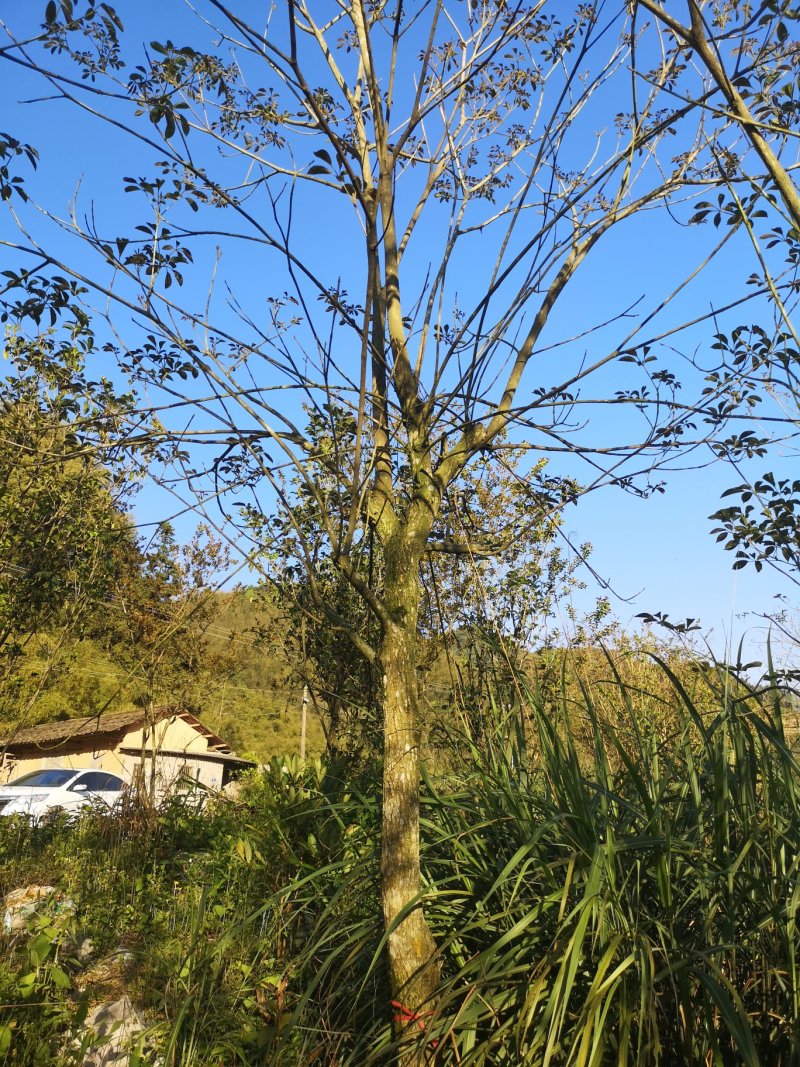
[{"x": 413, "y": 965}]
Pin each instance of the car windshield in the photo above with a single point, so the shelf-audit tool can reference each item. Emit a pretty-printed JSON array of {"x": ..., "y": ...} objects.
[{"x": 50, "y": 778}]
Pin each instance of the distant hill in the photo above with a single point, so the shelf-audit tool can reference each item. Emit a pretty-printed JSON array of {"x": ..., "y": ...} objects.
[
  {"x": 257, "y": 708},
  {"x": 243, "y": 691}
]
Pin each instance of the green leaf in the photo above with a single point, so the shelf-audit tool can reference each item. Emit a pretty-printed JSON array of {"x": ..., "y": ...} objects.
[
  {"x": 6, "y": 1033},
  {"x": 60, "y": 978},
  {"x": 27, "y": 983},
  {"x": 112, "y": 14}
]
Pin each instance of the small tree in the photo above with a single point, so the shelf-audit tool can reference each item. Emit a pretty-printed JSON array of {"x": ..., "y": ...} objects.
[
  {"x": 468, "y": 161},
  {"x": 156, "y": 625},
  {"x": 163, "y": 604},
  {"x": 63, "y": 530},
  {"x": 484, "y": 597}
]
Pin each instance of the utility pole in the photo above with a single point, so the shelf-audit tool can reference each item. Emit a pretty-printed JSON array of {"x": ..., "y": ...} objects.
[
  {"x": 303, "y": 718},
  {"x": 304, "y": 709}
]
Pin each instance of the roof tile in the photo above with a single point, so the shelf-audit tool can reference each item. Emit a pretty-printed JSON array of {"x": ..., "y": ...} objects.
[{"x": 107, "y": 723}]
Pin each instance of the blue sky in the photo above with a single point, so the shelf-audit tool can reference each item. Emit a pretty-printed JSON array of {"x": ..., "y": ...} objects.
[{"x": 658, "y": 551}]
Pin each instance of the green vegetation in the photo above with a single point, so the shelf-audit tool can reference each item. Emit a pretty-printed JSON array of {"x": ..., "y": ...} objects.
[
  {"x": 94, "y": 617},
  {"x": 62, "y": 527},
  {"x": 634, "y": 903},
  {"x": 610, "y": 160},
  {"x": 256, "y": 704}
]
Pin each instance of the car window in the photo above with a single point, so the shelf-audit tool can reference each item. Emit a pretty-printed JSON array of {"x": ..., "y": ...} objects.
[
  {"x": 110, "y": 782},
  {"x": 90, "y": 781},
  {"x": 98, "y": 782},
  {"x": 51, "y": 777}
]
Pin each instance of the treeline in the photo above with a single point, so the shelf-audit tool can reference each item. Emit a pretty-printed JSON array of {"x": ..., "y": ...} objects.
[{"x": 98, "y": 615}]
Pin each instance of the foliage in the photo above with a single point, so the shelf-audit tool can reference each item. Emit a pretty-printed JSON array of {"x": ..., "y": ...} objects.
[
  {"x": 504, "y": 581},
  {"x": 632, "y": 904},
  {"x": 163, "y": 606},
  {"x": 238, "y": 685},
  {"x": 763, "y": 526},
  {"x": 616, "y": 913},
  {"x": 563, "y": 677},
  {"x": 63, "y": 487},
  {"x": 760, "y": 524},
  {"x": 313, "y": 607}
]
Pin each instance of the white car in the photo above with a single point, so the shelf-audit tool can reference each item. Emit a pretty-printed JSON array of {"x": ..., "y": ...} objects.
[{"x": 41, "y": 793}]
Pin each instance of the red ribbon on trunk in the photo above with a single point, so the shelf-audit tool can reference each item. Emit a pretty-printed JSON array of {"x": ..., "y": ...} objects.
[{"x": 405, "y": 1015}]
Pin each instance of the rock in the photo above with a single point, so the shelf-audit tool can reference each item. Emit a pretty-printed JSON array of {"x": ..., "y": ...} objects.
[
  {"x": 116, "y": 1025},
  {"x": 85, "y": 949},
  {"x": 20, "y": 904},
  {"x": 232, "y": 790}
]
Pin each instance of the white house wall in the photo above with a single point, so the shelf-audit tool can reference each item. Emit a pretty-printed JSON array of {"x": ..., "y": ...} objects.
[{"x": 173, "y": 734}]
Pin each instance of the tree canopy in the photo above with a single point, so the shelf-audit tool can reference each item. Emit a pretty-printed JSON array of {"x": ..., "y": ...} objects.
[{"x": 63, "y": 527}]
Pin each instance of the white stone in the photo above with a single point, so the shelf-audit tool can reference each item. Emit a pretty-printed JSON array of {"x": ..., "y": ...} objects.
[
  {"x": 20, "y": 904},
  {"x": 85, "y": 949},
  {"x": 117, "y": 1025}
]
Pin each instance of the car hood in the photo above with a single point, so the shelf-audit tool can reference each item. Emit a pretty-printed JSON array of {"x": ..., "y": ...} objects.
[{"x": 17, "y": 792}]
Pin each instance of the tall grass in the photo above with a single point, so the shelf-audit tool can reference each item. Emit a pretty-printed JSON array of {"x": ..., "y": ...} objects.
[
  {"x": 627, "y": 905},
  {"x": 635, "y": 906},
  {"x": 613, "y": 902}
]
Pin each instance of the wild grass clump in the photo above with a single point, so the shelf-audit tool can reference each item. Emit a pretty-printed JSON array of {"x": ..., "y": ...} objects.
[
  {"x": 630, "y": 901},
  {"x": 635, "y": 907}
]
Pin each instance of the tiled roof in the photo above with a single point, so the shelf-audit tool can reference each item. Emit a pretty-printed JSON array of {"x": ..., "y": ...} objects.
[
  {"x": 65, "y": 729},
  {"x": 110, "y": 722}
]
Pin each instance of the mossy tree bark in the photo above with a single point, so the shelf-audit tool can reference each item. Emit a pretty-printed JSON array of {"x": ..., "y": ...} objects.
[{"x": 413, "y": 967}]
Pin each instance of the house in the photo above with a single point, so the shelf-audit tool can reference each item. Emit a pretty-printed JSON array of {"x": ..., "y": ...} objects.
[{"x": 170, "y": 743}]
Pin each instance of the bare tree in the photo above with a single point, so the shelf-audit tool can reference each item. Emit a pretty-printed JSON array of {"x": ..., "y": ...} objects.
[{"x": 392, "y": 202}]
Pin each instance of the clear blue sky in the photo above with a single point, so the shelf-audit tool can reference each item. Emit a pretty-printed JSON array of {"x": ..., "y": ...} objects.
[{"x": 657, "y": 551}]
